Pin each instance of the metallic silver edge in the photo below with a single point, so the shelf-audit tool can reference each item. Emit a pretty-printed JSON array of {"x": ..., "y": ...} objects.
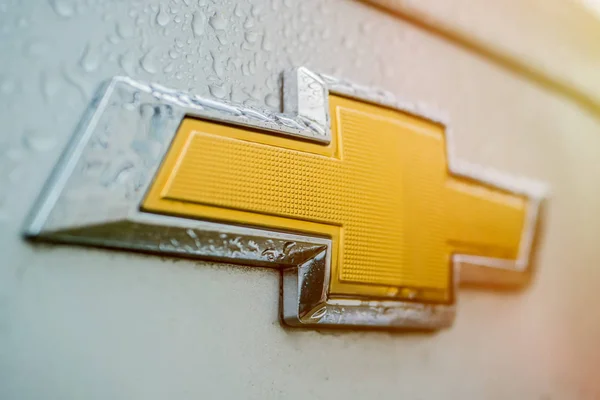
[
  {"x": 58, "y": 177},
  {"x": 312, "y": 126}
]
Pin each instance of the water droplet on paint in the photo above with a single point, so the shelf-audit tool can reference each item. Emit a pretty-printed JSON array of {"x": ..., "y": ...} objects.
[
  {"x": 35, "y": 48},
  {"x": 63, "y": 8},
  {"x": 162, "y": 18},
  {"x": 266, "y": 44},
  {"x": 125, "y": 30},
  {"x": 127, "y": 62},
  {"x": 272, "y": 101},
  {"x": 49, "y": 85},
  {"x": 222, "y": 39},
  {"x": 90, "y": 60},
  {"x": 218, "y": 91},
  {"x": 218, "y": 22},
  {"x": 238, "y": 11},
  {"x": 148, "y": 61},
  {"x": 198, "y": 24},
  {"x": 249, "y": 23},
  {"x": 169, "y": 68},
  {"x": 251, "y": 37},
  {"x": 36, "y": 141}
]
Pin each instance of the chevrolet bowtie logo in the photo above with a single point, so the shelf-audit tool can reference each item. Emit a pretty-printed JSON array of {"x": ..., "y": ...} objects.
[{"x": 354, "y": 196}]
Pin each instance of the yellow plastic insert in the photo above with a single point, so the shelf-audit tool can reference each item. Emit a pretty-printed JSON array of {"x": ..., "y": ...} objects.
[{"x": 381, "y": 190}]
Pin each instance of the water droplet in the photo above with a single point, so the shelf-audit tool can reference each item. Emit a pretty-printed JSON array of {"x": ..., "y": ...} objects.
[
  {"x": 90, "y": 60},
  {"x": 251, "y": 37},
  {"x": 218, "y": 91},
  {"x": 319, "y": 313},
  {"x": 49, "y": 85},
  {"x": 177, "y": 19},
  {"x": 127, "y": 62},
  {"x": 238, "y": 11},
  {"x": 36, "y": 141},
  {"x": 148, "y": 61},
  {"x": 198, "y": 24},
  {"x": 114, "y": 39},
  {"x": 125, "y": 30},
  {"x": 218, "y": 22},
  {"x": 222, "y": 39},
  {"x": 63, "y": 8},
  {"x": 270, "y": 254},
  {"x": 169, "y": 68},
  {"x": 252, "y": 67},
  {"x": 245, "y": 70},
  {"x": 174, "y": 54},
  {"x": 266, "y": 44},
  {"x": 249, "y": 23},
  {"x": 272, "y": 101},
  {"x": 287, "y": 247},
  {"x": 77, "y": 81},
  {"x": 218, "y": 62},
  {"x": 162, "y": 18},
  {"x": 255, "y": 10},
  {"x": 35, "y": 48}
]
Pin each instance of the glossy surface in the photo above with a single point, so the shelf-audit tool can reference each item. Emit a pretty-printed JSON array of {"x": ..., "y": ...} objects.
[
  {"x": 381, "y": 190},
  {"x": 81, "y": 323}
]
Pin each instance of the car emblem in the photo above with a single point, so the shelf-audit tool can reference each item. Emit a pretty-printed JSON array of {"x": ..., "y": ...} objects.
[{"x": 355, "y": 196}]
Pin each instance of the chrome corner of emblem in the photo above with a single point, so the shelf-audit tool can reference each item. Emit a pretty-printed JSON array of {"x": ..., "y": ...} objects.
[{"x": 94, "y": 194}]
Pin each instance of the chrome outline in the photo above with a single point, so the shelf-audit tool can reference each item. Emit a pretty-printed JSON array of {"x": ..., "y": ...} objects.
[{"x": 118, "y": 148}]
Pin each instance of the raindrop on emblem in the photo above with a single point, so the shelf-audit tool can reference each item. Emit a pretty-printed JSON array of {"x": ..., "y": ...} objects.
[
  {"x": 272, "y": 101},
  {"x": 218, "y": 22}
]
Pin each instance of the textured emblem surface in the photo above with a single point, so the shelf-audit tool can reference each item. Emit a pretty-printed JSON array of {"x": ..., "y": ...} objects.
[{"x": 354, "y": 195}]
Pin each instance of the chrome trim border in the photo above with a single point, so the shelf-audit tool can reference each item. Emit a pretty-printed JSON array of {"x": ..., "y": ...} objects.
[{"x": 94, "y": 194}]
